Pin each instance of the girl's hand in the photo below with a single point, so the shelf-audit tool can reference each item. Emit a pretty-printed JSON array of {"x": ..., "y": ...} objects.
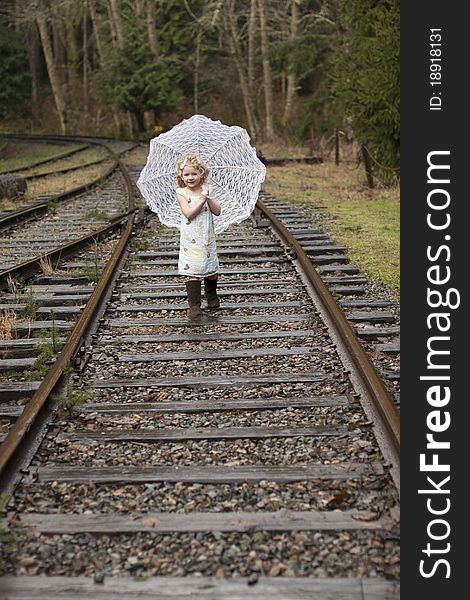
[{"x": 205, "y": 192}]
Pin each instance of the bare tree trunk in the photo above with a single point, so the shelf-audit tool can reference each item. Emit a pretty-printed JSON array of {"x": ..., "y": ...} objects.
[
  {"x": 336, "y": 146},
  {"x": 133, "y": 125},
  {"x": 149, "y": 117},
  {"x": 34, "y": 64},
  {"x": 53, "y": 73},
  {"x": 197, "y": 63},
  {"x": 234, "y": 42},
  {"x": 125, "y": 119},
  {"x": 367, "y": 166},
  {"x": 69, "y": 32},
  {"x": 117, "y": 120},
  {"x": 152, "y": 28},
  {"x": 268, "y": 85},
  {"x": 291, "y": 78},
  {"x": 252, "y": 47},
  {"x": 16, "y": 22},
  {"x": 85, "y": 57},
  {"x": 96, "y": 30},
  {"x": 311, "y": 148},
  {"x": 139, "y": 8},
  {"x": 112, "y": 26},
  {"x": 59, "y": 49},
  {"x": 117, "y": 23}
]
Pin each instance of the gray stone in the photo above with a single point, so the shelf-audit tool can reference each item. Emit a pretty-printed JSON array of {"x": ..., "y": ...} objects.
[{"x": 12, "y": 186}]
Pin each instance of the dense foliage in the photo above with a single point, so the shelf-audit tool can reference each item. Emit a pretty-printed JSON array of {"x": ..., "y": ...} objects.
[
  {"x": 291, "y": 70},
  {"x": 14, "y": 72},
  {"x": 132, "y": 80},
  {"x": 366, "y": 77}
]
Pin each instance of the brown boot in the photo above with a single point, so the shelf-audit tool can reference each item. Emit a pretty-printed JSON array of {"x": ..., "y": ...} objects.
[
  {"x": 193, "y": 289},
  {"x": 210, "y": 290}
]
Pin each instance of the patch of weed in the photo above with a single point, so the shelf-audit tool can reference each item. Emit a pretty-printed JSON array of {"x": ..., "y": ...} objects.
[{"x": 100, "y": 215}]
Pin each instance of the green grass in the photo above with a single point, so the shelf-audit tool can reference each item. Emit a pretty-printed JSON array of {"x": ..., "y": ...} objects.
[
  {"x": 73, "y": 399},
  {"x": 8, "y": 204},
  {"x": 19, "y": 155},
  {"x": 85, "y": 156},
  {"x": 366, "y": 221},
  {"x": 370, "y": 229},
  {"x": 100, "y": 215}
]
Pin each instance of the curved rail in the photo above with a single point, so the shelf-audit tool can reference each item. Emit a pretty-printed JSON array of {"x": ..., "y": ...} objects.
[
  {"x": 12, "y": 446},
  {"x": 41, "y": 207},
  {"x": 32, "y": 266},
  {"x": 43, "y": 161},
  {"x": 68, "y": 169}
]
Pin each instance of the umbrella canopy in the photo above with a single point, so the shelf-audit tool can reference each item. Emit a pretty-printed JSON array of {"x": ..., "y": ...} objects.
[{"x": 235, "y": 172}]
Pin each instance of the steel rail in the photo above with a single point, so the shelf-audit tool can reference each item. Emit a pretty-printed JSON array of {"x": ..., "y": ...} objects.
[
  {"x": 41, "y": 207},
  {"x": 379, "y": 395},
  {"x": 68, "y": 169},
  {"x": 24, "y": 428},
  {"x": 56, "y": 136},
  {"x": 76, "y": 167},
  {"x": 43, "y": 161},
  {"x": 32, "y": 266}
]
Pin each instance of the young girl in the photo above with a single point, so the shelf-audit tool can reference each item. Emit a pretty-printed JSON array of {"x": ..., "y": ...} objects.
[{"x": 198, "y": 252}]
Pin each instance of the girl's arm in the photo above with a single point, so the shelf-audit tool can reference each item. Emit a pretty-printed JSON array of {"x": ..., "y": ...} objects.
[
  {"x": 189, "y": 211},
  {"x": 212, "y": 203}
]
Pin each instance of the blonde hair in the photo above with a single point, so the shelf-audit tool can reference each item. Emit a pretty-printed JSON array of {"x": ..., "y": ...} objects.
[{"x": 195, "y": 162}]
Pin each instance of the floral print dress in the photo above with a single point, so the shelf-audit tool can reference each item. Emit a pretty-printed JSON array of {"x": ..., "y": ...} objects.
[{"x": 198, "y": 249}]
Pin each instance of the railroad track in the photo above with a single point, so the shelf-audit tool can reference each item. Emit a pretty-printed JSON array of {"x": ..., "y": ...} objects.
[
  {"x": 69, "y": 161},
  {"x": 370, "y": 308},
  {"x": 62, "y": 155},
  {"x": 254, "y": 453},
  {"x": 62, "y": 223},
  {"x": 47, "y": 203}
]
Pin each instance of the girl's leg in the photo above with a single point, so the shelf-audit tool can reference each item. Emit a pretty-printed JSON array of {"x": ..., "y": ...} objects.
[
  {"x": 210, "y": 290},
  {"x": 193, "y": 290}
]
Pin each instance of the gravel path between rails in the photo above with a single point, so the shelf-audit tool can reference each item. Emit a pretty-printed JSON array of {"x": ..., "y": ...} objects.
[
  {"x": 342, "y": 554},
  {"x": 354, "y": 553}
]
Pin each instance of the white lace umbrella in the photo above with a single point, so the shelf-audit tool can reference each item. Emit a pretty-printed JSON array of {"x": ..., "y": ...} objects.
[{"x": 235, "y": 172}]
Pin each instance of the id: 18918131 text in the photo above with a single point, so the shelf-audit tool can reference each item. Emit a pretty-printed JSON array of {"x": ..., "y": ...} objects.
[{"x": 435, "y": 68}]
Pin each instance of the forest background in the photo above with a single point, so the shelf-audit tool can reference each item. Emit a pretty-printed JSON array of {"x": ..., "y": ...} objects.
[
  {"x": 290, "y": 70},
  {"x": 299, "y": 75}
]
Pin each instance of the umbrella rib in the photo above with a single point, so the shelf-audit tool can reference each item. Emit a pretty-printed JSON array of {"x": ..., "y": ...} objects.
[
  {"x": 163, "y": 142},
  {"x": 167, "y": 174},
  {"x": 232, "y": 167},
  {"x": 229, "y": 194},
  {"x": 197, "y": 128},
  {"x": 240, "y": 132}
]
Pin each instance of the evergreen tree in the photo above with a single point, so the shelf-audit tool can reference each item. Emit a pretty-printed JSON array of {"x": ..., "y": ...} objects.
[
  {"x": 14, "y": 72},
  {"x": 132, "y": 80},
  {"x": 366, "y": 77},
  {"x": 136, "y": 77}
]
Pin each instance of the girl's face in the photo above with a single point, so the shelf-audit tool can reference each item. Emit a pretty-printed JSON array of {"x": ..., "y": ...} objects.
[{"x": 191, "y": 177}]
